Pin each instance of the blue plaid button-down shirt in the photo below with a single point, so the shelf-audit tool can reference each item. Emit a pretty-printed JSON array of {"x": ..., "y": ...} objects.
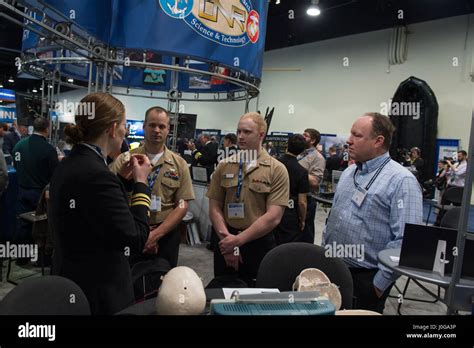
[{"x": 394, "y": 199}]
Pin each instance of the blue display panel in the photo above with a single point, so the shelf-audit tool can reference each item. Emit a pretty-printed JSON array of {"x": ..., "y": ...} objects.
[
  {"x": 136, "y": 129},
  {"x": 229, "y": 33}
]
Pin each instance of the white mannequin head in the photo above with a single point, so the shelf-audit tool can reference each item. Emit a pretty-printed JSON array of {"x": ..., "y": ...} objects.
[{"x": 181, "y": 293}]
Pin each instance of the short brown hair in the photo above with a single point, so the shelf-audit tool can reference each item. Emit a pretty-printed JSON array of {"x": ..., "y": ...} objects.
[
  {"x": 258, "y": 119},
  {"x": 40, "y": 124},
  {"x": 381, "y": 125},
  {"x": 158, "y": 109},
  {"x": 314, "y": 135},
  {"x": 107, "y": 110}
]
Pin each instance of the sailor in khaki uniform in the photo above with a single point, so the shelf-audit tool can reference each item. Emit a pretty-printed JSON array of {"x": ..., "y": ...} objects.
[
  {"x": 247, "y": 197},
  {"x": 170, "y": 182}
]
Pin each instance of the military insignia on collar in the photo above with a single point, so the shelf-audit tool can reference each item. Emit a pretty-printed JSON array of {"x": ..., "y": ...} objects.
[{"x": 172, "y": 174}]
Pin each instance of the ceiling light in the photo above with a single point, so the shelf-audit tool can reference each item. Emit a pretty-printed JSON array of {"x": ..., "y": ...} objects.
[
  {"x": 70, "y": 80},
  {"x": 314, "y": 9},
  {"x": 11, "y": 80},
  {"x": 41, "y": 88},
  {"x": 35, "y": 90},
  {"x": 50, "y": 86},
  {"x": 277, "y": 2},
  {"x": 1, "y": 85}
]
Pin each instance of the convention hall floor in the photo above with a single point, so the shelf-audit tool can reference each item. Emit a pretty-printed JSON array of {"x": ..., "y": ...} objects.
[{"x": 200, "y": 259}]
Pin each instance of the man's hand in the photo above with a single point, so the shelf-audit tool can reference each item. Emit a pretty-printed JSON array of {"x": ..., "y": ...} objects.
[
  {"x": 302, "y": 223},
  {"x": 151, "y": 246},
  {"x": 378, "y": 292},
  {"x": 227, "y": 244},
  {"x": 233, "y": 261}
]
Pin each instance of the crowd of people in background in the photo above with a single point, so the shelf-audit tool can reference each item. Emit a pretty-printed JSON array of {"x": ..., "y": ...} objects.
[{"x": 281, "y": 185}]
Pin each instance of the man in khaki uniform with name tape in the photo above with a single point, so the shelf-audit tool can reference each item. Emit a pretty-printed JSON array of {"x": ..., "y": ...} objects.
[
  {"x": 170, "y": 183},
  {"x": 247, "y": 197}
]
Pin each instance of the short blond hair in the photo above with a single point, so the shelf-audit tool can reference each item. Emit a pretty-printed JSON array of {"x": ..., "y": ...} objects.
[{"x": 258, "y": 119}]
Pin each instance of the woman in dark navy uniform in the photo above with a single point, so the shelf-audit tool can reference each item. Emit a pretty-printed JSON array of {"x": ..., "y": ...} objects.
[{"x": 94, "y": 228}]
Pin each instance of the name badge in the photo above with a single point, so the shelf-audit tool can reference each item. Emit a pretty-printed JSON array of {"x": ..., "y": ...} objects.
[
  {"x": 235, "y": 211},
  {"x": 155, "y": 203},
  {"x": 359, "y": 196},
  {"x": 229, "y": 176}
]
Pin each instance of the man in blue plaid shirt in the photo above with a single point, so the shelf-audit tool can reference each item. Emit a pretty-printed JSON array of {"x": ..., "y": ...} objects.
[{"x": 374, "y": 199}]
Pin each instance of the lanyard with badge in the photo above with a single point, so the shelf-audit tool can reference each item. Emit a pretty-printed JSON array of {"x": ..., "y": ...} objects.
[
  {"x": 360, "y": 192},
  {"x": 236, "y": 210},
  {"x": 155, "y": 201}
]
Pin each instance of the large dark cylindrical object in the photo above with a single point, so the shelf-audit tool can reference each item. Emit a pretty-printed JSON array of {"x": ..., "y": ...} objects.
[{"x": 414, "y": 112}]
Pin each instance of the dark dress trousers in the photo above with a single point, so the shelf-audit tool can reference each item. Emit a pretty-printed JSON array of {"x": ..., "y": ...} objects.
[{"x": 95, "y": 229}]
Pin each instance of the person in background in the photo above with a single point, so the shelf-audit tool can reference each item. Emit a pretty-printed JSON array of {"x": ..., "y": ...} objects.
[
  {"x": 457, "y": 171},
  {"x": 334, "y": 162},
  {"x": 35, "y": 161},
  {"x": 417, "y": 163},
  {"x": 14, "y": 135},
  {"x": 312, "y": 160},
  {"x": 207, "y": 156},
  {"x": 271, "y": 149},
  {"x": 230, "y": 145},
  {"x": 292, "y": 224},
  {"x": 456, "y": 177}
]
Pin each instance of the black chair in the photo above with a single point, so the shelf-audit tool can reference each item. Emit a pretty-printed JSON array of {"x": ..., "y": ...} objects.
[
  {"x": 451, "y": 198},
  {"x": 48, "y": 295},
  {"x": 451, "y": 218},
  {"x": 281, "y": 266}
]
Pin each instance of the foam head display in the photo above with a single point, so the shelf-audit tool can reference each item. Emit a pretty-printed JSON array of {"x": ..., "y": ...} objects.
[
  {"x": 313, "y": 279},
  {"x": 181, "y": 293}
]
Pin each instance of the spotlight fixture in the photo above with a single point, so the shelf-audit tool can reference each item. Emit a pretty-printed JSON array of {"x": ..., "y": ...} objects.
[
  {"x": 35, "y": 90},
  {"x": 70, "y": 80},
  {"x": 1, "y": 85},
  {"x": 11, "y": 80},
  {"x": 313, "y": 10}
]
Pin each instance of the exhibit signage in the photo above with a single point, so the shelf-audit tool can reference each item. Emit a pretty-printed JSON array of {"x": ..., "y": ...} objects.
[{"x": 230, "y": 33}]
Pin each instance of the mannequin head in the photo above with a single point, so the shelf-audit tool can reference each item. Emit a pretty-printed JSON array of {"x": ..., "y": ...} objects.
[{"x": 181, "y": 293}]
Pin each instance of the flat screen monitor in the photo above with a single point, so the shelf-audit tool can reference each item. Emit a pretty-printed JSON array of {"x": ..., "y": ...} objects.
[
  {"x": 422, "y": 245},
  {"x": 136, "y": 129}
]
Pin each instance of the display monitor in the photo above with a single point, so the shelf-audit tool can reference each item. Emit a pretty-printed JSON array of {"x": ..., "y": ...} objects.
[
  {"x": 136, "y": 129},
  {"x": 423, "y": 246}
]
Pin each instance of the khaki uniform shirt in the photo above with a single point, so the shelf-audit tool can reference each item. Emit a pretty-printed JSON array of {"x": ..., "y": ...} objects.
[
  {"x": 264, "y": 184},
  {"x": 314, "y": 163},
  {"x": 172, "y": 184}
]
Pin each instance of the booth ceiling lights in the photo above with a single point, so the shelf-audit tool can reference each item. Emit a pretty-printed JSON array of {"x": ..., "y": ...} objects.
[
  {"x": 313, "y": 10},
  {"x": 397, "y": 52},
  {"x": 1, "y": 85},
  {"x": 11, "y": 80}
]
